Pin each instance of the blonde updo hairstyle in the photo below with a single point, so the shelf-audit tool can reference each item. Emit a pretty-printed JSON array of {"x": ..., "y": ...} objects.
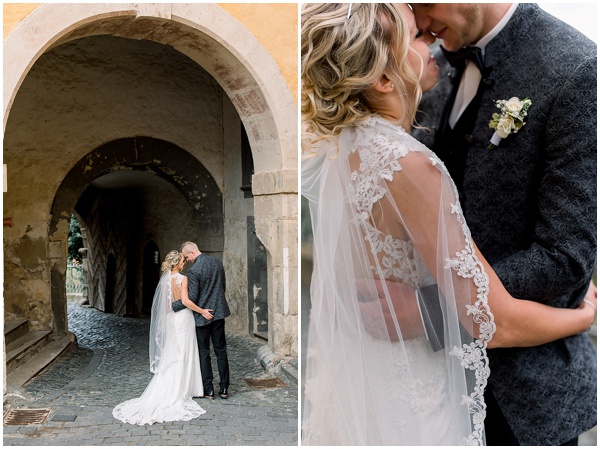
[
  {"x": 171, "y": 259},
  {"x": 342, "y": 58}
]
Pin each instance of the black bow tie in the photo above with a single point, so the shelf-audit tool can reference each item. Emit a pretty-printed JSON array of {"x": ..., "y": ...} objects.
[{"x": 458, "y": 58}]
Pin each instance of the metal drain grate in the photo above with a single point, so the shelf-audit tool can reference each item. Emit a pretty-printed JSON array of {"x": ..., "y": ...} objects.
[
  {"x": 274, "y": 382},
  {"x": 23, "y": 417}
]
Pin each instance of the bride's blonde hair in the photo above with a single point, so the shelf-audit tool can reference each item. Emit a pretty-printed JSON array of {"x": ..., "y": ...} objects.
[
  {"x": 342, "y": 56},
  {"x": 171, "y": 259}
]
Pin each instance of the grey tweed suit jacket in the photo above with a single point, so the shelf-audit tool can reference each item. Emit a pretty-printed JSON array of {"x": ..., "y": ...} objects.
[
  {"x": 531, "y": 207},
  {"x": 206, "y": 288}
]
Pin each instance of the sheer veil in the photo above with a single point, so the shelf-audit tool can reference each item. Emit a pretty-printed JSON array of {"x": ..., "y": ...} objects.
[
  {"x": 161, "y": 307},
  {"x": 399, "y": 318}
]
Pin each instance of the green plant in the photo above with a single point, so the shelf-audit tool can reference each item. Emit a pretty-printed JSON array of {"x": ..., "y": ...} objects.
[{"x": 74, "y": 240}]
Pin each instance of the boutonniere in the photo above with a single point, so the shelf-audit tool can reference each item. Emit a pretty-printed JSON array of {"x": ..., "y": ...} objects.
[{"x": 510, "y": 119}]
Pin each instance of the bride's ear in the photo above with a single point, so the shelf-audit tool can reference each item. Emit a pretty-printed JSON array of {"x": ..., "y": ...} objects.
[{"x": 384, "y": 84}]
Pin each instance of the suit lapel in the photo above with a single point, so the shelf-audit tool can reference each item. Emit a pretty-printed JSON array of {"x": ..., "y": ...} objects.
[{"x": 505, "y": 64}]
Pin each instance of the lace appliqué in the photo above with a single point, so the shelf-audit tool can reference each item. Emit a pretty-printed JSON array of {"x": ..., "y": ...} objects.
[
  {"x": 178, "y": 279},
  {"x": 473, "y": 356},
  {"x": 412, "y": 392},
  {"x": 379, "y": 162},
  {"x": 179, "y": 327}
]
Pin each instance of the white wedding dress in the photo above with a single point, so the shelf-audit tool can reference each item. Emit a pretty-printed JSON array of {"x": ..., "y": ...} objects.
[
  {"x": 177, "y": 379},
  {"x": 389, "y": 234}
]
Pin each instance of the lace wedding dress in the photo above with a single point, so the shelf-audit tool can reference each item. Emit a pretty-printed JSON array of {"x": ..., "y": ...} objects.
[
  {"x": 399, "y": 317},
  {"x": 177, "y": 378}
]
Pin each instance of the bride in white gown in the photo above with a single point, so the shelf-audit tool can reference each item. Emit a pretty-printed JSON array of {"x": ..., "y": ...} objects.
[
  {"x": 173, "y": 356},
  {"x": 403, "y": 304}
]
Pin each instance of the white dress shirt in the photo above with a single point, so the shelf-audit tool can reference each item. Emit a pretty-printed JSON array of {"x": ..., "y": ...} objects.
[{"x": 472, "y": 76}]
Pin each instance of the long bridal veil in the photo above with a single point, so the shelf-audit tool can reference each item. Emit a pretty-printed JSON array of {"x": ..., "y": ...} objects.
[
  {"x": 161, "y": 307},
  {"x": 399, "y": 319}
]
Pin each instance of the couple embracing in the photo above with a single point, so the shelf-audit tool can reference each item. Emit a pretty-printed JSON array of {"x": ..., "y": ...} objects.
[
  {"x": 451, "y": 290},
  {"x": 188, "y": 312}
]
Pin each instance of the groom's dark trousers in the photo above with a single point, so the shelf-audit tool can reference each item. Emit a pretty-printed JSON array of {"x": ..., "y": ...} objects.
[{"x": 215, "y": 331}]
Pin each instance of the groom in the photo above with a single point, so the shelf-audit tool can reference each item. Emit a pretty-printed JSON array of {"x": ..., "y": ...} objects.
[
  {"x": 206, "y": 288},
  {"x": 530, "y": 202}
]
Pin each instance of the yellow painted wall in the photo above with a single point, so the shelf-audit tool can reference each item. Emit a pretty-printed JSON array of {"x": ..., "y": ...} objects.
[
  {"x": 14, "y": 13},
  {"x": 275, "y": 25}
]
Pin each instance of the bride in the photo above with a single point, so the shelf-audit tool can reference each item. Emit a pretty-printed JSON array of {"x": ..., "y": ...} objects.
[
  {"x": 173, "y": 355},
  {"x": 404, "y": 305}
]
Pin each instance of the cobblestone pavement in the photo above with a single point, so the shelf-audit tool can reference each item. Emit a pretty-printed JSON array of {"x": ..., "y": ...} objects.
[{"x": 110, "y": 365}]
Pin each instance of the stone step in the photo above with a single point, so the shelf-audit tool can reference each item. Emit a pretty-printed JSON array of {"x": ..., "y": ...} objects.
[
  {"x": 40, "y": 361},
  {"x": 14, "y": 329},
  {"x": 24, "y": 347}
]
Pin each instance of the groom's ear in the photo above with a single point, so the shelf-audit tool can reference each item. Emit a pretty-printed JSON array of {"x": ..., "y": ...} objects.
[{"x": 384, "y": 84}]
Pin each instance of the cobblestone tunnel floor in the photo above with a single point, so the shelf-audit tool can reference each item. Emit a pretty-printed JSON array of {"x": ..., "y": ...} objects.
[{"x": 110, "y": 365}]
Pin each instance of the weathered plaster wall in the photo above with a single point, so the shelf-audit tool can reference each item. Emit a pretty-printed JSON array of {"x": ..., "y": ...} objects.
[
  {"x": 235, "y": 208},
  {"x": 283, "y": 267},
  {"x": 170, "y": 221}
]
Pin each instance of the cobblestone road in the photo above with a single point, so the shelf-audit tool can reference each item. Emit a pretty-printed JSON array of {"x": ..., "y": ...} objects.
[{"x": 110, "y": 365}]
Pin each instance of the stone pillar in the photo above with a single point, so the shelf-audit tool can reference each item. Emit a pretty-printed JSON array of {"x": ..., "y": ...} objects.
[
  {"x": 276, "y": 219},
  {"x": 57, "y": 257}
]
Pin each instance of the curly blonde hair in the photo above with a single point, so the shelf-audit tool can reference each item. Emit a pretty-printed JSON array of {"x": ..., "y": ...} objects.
[
  {"x": 171, "y": 259},
  {"x": 341, "y": 59}
]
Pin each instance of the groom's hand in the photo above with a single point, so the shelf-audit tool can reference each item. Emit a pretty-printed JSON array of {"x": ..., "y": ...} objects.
[{"x": 207, "y": 313}]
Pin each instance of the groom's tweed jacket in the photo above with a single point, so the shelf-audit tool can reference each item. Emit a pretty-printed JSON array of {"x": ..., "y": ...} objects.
[
  {"x": 206, "y": 288},
  {"x": 531, "y": 208}
]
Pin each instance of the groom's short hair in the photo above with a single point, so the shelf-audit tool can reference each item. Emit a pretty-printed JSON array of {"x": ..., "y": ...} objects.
[{"x": 191, "y": 244}]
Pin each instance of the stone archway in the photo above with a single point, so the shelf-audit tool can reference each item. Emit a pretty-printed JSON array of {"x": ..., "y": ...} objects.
[
  {"x": 149, "y": 156},
  {"x": 251, "y": 80}
]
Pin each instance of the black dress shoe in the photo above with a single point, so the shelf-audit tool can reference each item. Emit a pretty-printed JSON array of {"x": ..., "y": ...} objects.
[
  {"x": 210, "y": 395},
  {"x": 223, "y": 393}
]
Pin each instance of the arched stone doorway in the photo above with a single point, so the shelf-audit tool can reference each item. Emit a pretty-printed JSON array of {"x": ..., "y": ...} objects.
[
  {"x": 258, "y": 95},
  {"x": 134, "y": 201}
]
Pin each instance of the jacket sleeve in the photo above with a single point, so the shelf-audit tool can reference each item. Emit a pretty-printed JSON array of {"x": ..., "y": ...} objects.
[
  {"x": 177, "y": 305},
  {"x": 562, "y": 255}
]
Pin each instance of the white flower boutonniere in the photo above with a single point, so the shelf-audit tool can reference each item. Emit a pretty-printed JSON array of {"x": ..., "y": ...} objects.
[{"x": 510, "y": 120}]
